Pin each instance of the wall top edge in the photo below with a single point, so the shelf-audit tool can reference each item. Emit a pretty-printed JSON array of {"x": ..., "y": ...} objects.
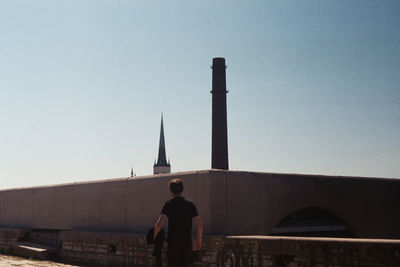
[
  {"x": 185, "y": 173},
  {"x": 310, "y": 175},
  {"x": 109, "y": 180},
  {"x": 321, "y": 239}
]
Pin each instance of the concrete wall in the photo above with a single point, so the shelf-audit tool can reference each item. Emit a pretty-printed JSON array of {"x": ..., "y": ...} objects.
[
  {"x": 16, "y": 208},
  {"x": 127, "y": 249},
  {"x": 50, "y": 206},
  {"x": 367, "y": 205},
  {"x": 130, "y": 249},
  {"x": 126, "y": 204},
  {"x": 249, "y": 251},
  {"x": 229, "y": 202}
]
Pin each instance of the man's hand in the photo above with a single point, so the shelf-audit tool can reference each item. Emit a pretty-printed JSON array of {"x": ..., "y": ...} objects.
[
  {"x": 159, "y": 225},
  {"x": 197, "y": 245},
  {"x": 199, "y": 224}
]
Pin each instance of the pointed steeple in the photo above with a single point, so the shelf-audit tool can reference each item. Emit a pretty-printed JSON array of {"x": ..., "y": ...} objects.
[
  {"x": 162, "y": 166},
  {"x": 162, "y": 158},
  {"x": 131, "y": 172}
]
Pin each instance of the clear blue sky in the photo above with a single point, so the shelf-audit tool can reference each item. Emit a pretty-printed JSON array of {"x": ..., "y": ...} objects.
[{"x": 314, "y": 87}]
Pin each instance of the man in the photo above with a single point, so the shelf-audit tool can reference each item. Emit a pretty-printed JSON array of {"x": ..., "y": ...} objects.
[{"x": 180, "y": 213}]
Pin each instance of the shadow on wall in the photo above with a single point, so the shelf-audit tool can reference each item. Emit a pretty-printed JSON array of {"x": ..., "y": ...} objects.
[{"x": 312, "y": 222}]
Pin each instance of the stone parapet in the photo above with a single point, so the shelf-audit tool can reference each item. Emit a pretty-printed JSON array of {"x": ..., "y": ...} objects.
[
  {"x": 130, "y": 249},
  {"x": 9, "y": 236},
  {"x": 298, "y": 251},
  {"x": 111, "y": 249}
]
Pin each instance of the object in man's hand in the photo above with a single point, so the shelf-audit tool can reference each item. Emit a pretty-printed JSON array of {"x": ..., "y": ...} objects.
[
  {"x": 158, "y": 242},
  {"x": 150, "y": 236},
  {"x": 194, "y": 256}
]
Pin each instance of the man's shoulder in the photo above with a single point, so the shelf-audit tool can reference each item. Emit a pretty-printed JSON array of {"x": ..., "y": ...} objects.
[
  {"x": 167, "y": 207},
  {"x": 188, "y": 202},
  {"x": 167, "y": 202},
  {"x": 178, "y": 201},
  {"x": 171, "y": 202},
  {"x": 191, "y": 208}
]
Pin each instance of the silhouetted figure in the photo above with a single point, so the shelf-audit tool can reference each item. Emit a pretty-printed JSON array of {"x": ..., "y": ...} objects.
[{"x": 180, "y": 214}]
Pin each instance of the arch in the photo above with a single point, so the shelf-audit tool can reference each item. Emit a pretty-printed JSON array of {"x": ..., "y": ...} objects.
[{"x": 312, "y": 221}]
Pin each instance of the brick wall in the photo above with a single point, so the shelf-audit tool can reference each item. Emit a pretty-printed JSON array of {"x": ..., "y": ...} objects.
[
  {"x": 130, "y": 249},
  {"x": 106, "y": 248},
  {"x": 9, "y": 236},
  {"x": 297, "y": 251}
]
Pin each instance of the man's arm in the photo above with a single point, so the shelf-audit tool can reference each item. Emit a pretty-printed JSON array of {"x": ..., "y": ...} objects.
[
  {"x": 199, "y": 236},
  {"x": 159, "y": 224}
]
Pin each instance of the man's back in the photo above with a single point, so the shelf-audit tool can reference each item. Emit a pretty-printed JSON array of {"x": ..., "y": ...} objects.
[{"x": 180, "y": 213}]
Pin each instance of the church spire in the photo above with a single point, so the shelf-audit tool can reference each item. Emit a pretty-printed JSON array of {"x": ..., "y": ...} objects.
[
  {"x": 162, "y": 159},
  {"x": 162, "y": 166}
]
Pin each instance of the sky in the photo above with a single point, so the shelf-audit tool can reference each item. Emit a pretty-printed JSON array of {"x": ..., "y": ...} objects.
[{"x": 314, "y": 87}]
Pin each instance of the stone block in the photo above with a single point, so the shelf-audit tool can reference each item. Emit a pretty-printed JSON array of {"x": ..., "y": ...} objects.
[
  {"x": 67, "y": 247},
  {"x": 100, "y": 206}
]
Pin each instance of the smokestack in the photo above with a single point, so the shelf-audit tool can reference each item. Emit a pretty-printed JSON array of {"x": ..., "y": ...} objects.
[{"x": 219, "y": 153}]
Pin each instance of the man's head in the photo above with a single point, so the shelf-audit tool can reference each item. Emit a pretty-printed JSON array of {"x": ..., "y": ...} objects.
[{"x": 176, "y": 186}]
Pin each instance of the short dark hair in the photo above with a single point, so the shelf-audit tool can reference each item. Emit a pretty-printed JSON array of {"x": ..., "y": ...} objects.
[{"x": 176, "y": 186}]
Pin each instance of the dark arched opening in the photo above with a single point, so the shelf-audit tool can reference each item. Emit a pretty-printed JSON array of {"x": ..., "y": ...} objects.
[{"x": 312, "y": 221}]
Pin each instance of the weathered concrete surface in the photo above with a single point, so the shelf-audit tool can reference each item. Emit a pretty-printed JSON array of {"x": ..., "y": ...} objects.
[
  {"x": 16, "y": 208},
  {"x": 53, "y": 206},
  {"x": 100, "y": 205},
  {"x": 229, "y": 202},
  {"x": 34, "y": 251},
  {"x": 7, "y": 261}
]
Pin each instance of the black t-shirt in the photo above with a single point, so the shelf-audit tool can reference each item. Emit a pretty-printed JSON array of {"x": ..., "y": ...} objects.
[{"x": 180, "y": 213}]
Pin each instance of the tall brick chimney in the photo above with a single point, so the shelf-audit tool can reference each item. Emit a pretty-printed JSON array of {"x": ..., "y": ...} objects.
[{"x": 219, "y": 150}]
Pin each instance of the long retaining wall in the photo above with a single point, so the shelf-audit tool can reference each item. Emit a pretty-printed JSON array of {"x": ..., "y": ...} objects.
[
  {"x": 229, "y": 202},
  {"x": 130, "y": 249}
]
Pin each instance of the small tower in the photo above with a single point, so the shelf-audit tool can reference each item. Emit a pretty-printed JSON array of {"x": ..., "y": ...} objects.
[{"x": 161, "y": 166}]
